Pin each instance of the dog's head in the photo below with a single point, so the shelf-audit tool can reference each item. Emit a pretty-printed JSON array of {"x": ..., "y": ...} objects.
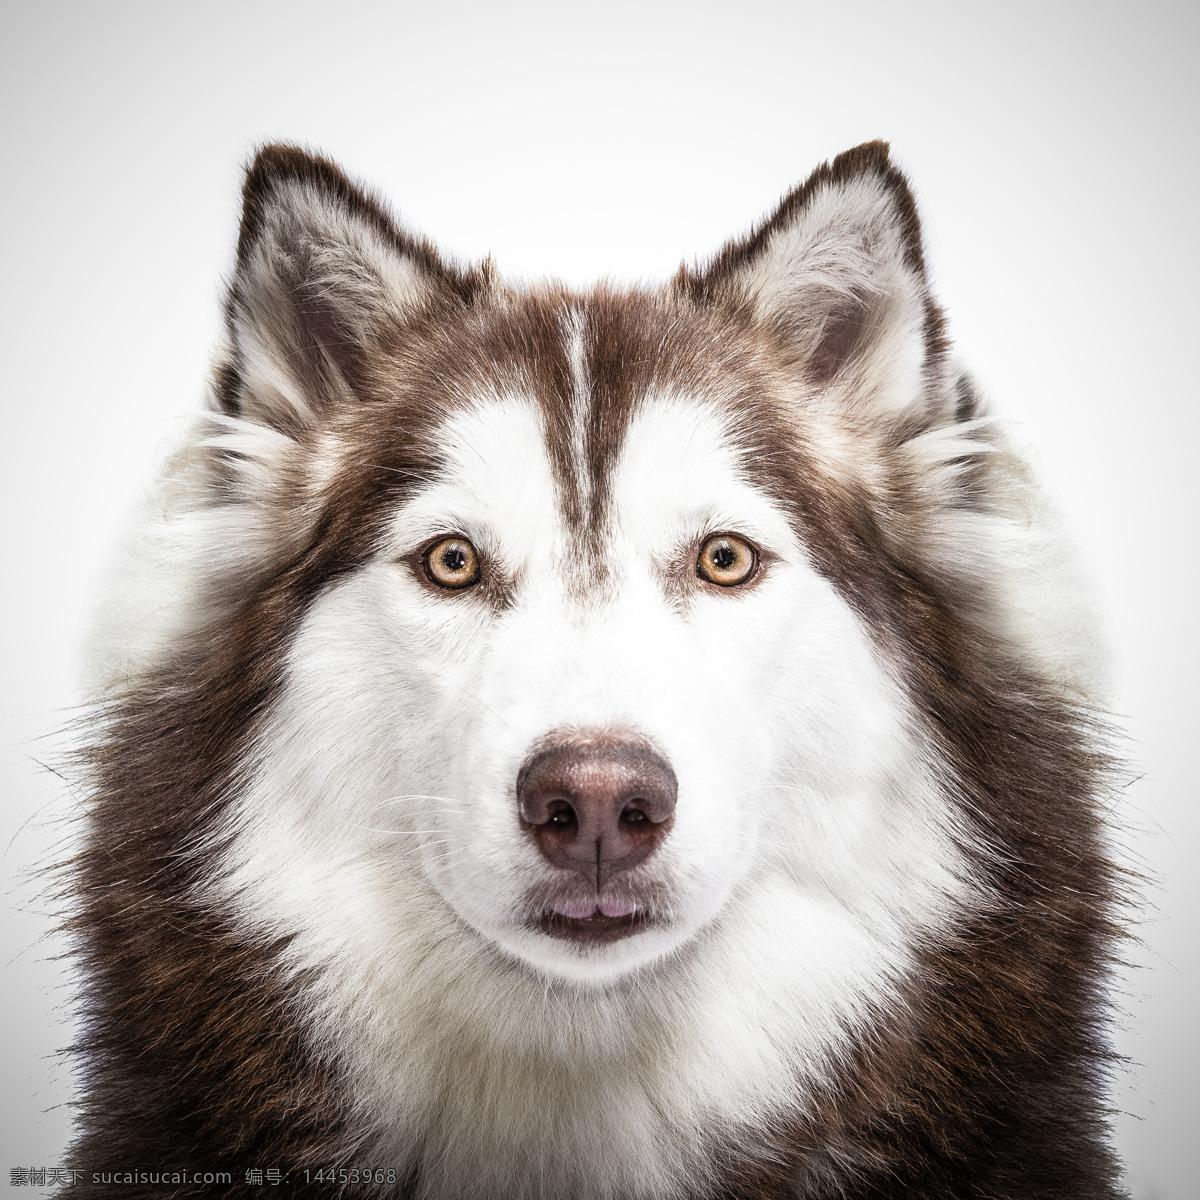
[{"x": 589, "y": 616}]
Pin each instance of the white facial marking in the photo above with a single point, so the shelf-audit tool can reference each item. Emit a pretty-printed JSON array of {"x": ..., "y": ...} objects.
[
  {"x": 574, "y": 325},
  {"x": 811, "y": 849}
]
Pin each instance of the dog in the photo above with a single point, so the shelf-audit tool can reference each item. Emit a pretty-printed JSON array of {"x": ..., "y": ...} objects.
[{"x": 634, "y": 744}]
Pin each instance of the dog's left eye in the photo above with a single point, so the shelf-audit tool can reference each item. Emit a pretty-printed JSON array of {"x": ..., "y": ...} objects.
[
  {"x": 726, "y": 560},
  {"x": 452, "y": 563}
]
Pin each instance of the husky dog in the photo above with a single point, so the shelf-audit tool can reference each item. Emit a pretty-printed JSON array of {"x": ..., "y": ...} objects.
[{"x": 616, "y": 745}]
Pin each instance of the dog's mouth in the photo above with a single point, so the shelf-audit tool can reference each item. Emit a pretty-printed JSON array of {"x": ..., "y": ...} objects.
[
  {"x": 592, "y": 921},
  {"x": 571, "y": 911}
]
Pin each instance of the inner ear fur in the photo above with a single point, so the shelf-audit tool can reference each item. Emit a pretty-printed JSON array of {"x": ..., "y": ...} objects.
[
  {"x": 322, "y": 268},
  {"x": 837, "y": 274}
]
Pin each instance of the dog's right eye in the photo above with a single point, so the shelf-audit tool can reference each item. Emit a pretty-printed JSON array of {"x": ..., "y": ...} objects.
[{"x": 452, "y": 563}]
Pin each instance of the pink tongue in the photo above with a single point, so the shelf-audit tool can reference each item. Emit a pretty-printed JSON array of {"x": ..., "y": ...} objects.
[{"x": 585, "y": 908}]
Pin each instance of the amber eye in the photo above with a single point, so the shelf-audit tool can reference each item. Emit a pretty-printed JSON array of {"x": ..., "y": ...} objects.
[
  {"x": 452, "y": 563},
  {"x": 726, "y": 560}
]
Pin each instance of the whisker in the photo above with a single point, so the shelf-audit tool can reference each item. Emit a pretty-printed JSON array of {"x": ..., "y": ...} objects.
[
  {"x": 472, "y": 696},
  {"x": 398, "y": 471},
  {"x": 393, "y": 832},
  {"x": 415, "y": 796}
]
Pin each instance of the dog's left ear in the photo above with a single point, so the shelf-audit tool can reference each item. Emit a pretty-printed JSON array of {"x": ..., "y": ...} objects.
[{"x": 837, "y": 276}]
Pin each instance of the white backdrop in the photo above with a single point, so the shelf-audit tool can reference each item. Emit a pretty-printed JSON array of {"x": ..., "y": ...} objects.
[{"x": 1052, "y": 148}]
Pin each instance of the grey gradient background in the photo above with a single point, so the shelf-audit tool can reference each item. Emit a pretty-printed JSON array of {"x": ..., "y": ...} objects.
[{"x": 1052, "y": 147}]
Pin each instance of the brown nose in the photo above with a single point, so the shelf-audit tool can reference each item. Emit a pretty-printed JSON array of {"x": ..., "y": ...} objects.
[{"x": 597, "y": 805}]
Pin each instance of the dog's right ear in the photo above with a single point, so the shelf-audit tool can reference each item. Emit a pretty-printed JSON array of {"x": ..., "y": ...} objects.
[{"x": 322, "y": 270}]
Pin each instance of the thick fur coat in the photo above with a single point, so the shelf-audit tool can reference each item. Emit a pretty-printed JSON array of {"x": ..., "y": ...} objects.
[{"x": 448, "y": 565}]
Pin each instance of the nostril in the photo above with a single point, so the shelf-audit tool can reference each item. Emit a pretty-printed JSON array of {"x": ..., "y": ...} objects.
[{"x": 562, "y": 816}]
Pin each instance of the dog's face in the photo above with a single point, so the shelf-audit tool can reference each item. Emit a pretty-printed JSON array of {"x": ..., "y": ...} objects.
[
  {"x": 600, "y": 701},
  {"x": 585, "y": 630}
]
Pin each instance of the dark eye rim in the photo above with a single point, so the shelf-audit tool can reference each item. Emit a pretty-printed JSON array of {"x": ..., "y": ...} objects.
[
  {"x": 756, "y": 560},
  {"x": 422, "y": 558}
]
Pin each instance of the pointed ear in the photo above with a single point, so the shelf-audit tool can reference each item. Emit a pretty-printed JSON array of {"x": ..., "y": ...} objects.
[
  {"x": 838, "y": 275},
  {"x": 322, "y": 270}
]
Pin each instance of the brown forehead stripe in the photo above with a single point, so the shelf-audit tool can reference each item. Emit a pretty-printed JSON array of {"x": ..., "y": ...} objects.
[{"x": 632, "y": 344}]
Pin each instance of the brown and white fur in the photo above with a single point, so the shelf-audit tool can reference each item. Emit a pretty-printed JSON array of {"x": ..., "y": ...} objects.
[{"x": 321, "y": 922}]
